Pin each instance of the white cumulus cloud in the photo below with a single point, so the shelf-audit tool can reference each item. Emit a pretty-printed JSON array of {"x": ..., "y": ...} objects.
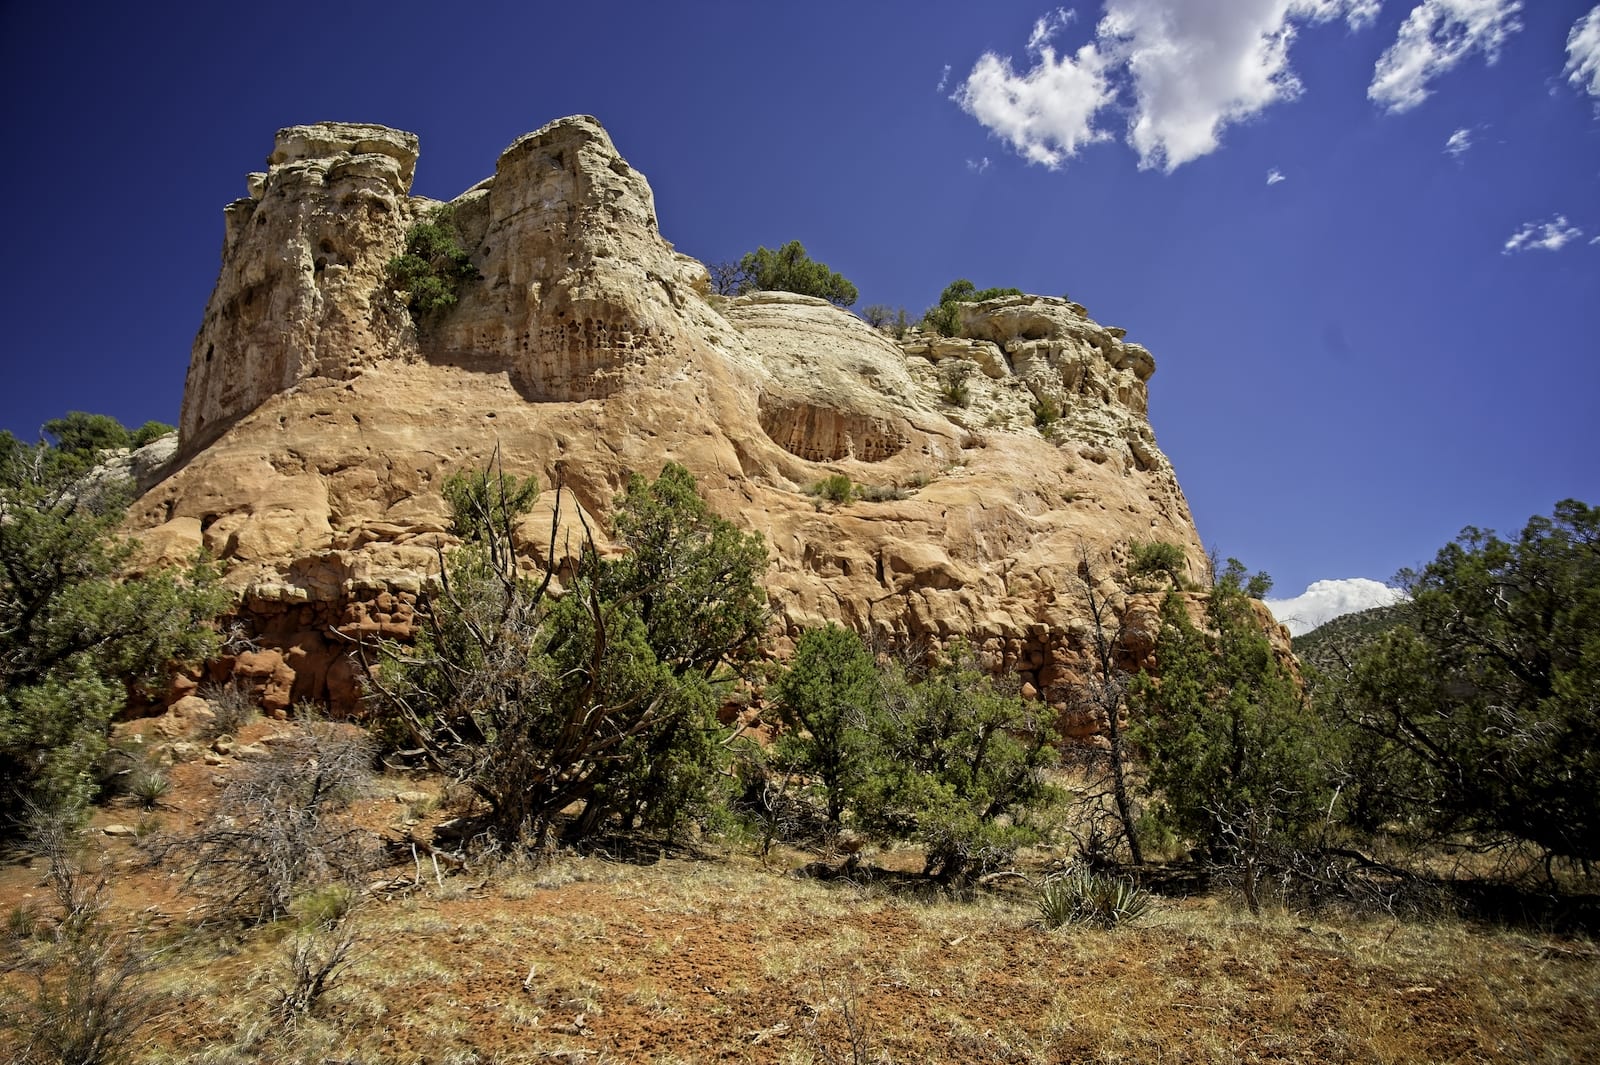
[
  {"x": 1583, "y": 53},
  {"x": 1199, "y": 66},
  {"x": 1322, "y": 601},
  {"x": 1182, "y": 70},
  {"x": 1274, "y": 176},
  {"x": 978, "y": 166},
  {"x": 944, "y": 79},
  {"x": 1542, "y": 236},
  {"x": 1047, "y": 112},
  {"x": 1435, "y": 37},
  {"x": 1459, "y": 143}
]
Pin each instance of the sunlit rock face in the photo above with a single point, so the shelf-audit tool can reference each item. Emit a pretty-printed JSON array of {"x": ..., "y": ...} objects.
[{"x": 319, "y": 422}]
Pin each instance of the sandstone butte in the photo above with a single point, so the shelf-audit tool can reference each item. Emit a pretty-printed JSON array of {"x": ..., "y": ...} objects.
[{"x": 318, "y": 423}]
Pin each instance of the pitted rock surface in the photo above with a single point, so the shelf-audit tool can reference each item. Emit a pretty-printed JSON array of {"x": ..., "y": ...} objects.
[{"x": 319, "y": 423}]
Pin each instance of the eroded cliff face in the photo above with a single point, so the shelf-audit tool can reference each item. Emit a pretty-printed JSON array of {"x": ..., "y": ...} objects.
[
  {"x": 303, "y": 260},
  {"x": 319, "y": 423}
]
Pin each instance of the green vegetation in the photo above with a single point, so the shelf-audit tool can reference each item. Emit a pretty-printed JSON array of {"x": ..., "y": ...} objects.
[
  {"x": 1333, "y": 645},
  {"x": 1158, "y": 558},
  {"x": 1235, "y": 752},
  {"x": 835, "y": 488},
  {"x": 948, "y": 758},
  {"x": 953, "y": 378},
  {"x": 885, "y": 319},
  {"x": 827, "y": 697},
  {"x": 1046, "y": 413},
  {"x": 1460, "y": 736},
  {"x": 81, "y": 437},
  {"x": 85, "y": 434},
  {"x": 433, "y": 269},
  {"x": 73, "y": 635},
  {"x": 944, "y": 318},
  {"x": 1089, "y": 898},
  {"x": 789, "y": 269},
  {"x": 149, "y": 432},
  {"x": 958, "y": 762},
  {"x": 606, "y": 696},
  {"x": 1474, "y": 718}
]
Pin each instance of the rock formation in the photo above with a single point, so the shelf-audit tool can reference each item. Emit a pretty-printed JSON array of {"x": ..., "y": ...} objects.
[{"x": 318, "y": 422}]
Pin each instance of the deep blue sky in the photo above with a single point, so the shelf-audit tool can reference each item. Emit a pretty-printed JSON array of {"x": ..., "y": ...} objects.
[{"x": 1350, "y": 365}]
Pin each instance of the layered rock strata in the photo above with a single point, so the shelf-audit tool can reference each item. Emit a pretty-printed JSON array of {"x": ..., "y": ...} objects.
[{"x": 319, "y": 423}]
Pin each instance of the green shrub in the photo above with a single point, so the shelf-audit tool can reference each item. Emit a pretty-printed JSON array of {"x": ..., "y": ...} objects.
[
  {"x": 86, "y": 434},
  {"x": 606, "y": 697},
  {"x": 478, "y": 497},
  {"x": 826, "y": 696},
  {"x": 73, "y": 634},
  {"x": 957, "y": 758},
  {"x": 434, "y": 267},
  {"x": 790, "y": 269},
  {"x": 953, "y": 377},
  {"x": 1158, "y": 558},
  {"x": 149, "y": 432},
  {"x": 1046, "y": 413},
  {"x": 836, "y": 488},
  {"x": 1241, "y": 764},
  {"x": 1083, "y": 897},
  {"x": 944, "y": 319}
]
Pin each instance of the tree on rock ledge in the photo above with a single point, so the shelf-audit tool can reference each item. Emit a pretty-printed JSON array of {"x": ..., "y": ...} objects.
[{"x": 789, "y": 269}]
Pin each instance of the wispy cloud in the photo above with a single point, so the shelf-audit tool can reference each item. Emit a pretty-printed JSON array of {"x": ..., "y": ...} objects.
[
  {"x": 1274, "y": 176},
  {"x": 1190, "y": 70},
  {"x": 1542, "y": 236},
  {"x": 944, "y": 79},
  {"x": 1583, "y": 53},
  {"x": 1435, "y": 37},
  {"x": 978, "y": 166},
  {"x": 1322, "y": 601},
  {"x": 1459, "y": 144}
]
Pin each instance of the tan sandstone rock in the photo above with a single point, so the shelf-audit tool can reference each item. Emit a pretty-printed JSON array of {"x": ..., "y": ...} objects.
[{"x": 319, "y": 424}]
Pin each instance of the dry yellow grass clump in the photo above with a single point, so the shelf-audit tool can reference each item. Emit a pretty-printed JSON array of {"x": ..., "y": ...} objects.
[{"x": 727, "y": 959}]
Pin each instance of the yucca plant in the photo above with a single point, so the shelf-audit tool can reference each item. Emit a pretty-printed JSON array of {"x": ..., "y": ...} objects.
[
  {"x": 148, "y": 789},
  {"x": 1083, "y": 897}
]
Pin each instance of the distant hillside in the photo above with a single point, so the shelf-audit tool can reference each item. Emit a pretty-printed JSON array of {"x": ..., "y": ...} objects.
[{"x": 1322, "y": 647}]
